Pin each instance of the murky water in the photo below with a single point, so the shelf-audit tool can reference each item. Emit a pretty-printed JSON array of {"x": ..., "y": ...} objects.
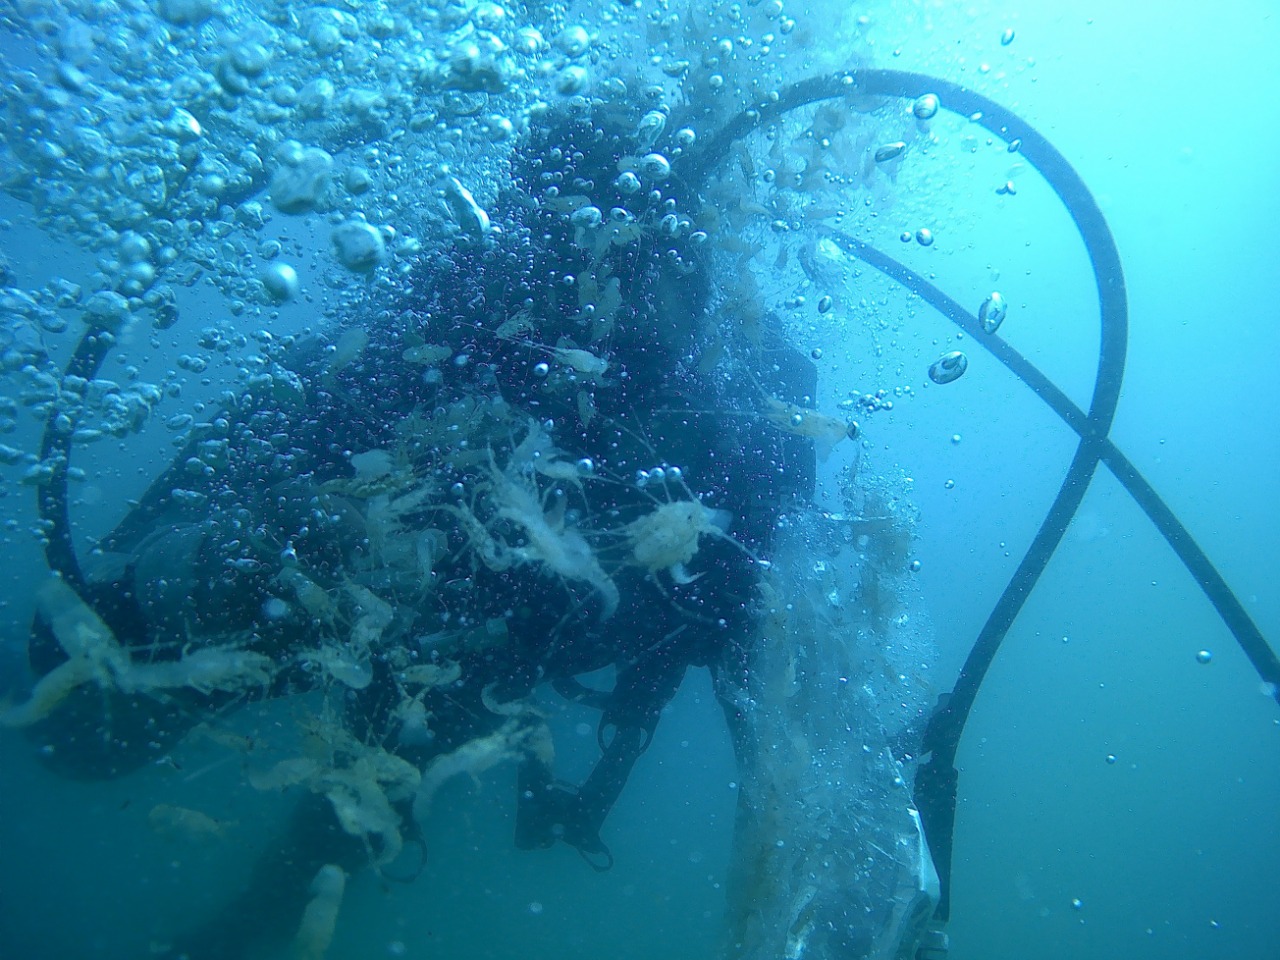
[{"x": 495, "y": 480}]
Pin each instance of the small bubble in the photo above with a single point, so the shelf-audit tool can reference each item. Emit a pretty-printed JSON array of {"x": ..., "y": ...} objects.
[
  {"x": 948, "y": 368},
  {"x": 535, "y": 907},
  {"x": 890, "y": 151},
  {"x": 1204, "y": 656},
  {"x": 992, "y": 312},
  {"x": 655, "y": 166},
  {"x": 915, "y": 566},
  {"x": 926, "y": 107},
  {"x": 281, "y": 282},
  {"x": 1077, "y": 904},
  {"x": 572, "y": 80},
  {"x": 1111, "y": 758},
  {"x": 924, "y": 237}
]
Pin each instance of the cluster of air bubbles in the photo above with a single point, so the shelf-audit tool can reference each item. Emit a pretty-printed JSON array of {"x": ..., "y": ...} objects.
[
  {"x": 587, "y": 217},
  {"x": 301, "y": 180},
  {"x": 206, "y": 135},
  {"x": 869, "y": 403},
  {"x": 628, "y": 182},
  {"x": 358, "y": 246},
  {"x": 663, "y": 474}
]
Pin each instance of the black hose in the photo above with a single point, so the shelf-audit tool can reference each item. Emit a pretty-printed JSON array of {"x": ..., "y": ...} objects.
[
  {"x": 1193, "y": 557},
  {"x": 55, "y": 451},
  {"x": 937, "y": 778}
]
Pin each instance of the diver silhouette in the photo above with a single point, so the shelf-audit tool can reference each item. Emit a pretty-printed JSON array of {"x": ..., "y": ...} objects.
[
  {"x": 435, "y": 539},
  {"x": 436, "y": 513}
]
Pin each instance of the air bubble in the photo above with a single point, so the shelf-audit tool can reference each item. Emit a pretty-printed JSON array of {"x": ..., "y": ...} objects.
[
  {"x": 949, "y": 367},
  {"x": 890, "y": 151},
  {"x": 358, "y": 246},
  {"x": 926, "y": 107},
  {"x": 281, "y": 282},
  {"x": 992, "y": 312}
]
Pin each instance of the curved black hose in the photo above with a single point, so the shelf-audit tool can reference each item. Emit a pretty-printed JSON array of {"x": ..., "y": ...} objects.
[
  {"x": 55, "y": 451},
  {"x": 937, "y": 778},
  {"x": 1246, "y": 632}
]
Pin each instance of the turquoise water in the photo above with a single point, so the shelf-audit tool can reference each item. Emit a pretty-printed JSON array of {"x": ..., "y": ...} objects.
[{"x": 1117, "y": 797}]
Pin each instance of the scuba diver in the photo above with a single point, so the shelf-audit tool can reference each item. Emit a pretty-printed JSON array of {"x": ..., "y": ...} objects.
[
  {"x": 549, "y": 453},
  {"x": 548, "y": 457}
]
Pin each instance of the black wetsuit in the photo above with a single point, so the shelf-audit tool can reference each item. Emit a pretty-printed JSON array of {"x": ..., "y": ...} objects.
[{"x": 256, "y": 484}]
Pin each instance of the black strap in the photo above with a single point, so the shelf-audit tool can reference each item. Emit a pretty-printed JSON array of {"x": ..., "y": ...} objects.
[
  {"x": 548, "y": 811},
  {"x": 55, "y": 450}
]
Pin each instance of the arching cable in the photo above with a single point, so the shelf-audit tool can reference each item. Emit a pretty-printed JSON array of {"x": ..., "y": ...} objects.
[
  {"x": 1264, "y": 660},
  {"x": 937, "y": 778}
]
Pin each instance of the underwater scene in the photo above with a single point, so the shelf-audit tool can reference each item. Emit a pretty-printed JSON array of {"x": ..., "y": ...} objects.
[{"x": 681, "y": 479}]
